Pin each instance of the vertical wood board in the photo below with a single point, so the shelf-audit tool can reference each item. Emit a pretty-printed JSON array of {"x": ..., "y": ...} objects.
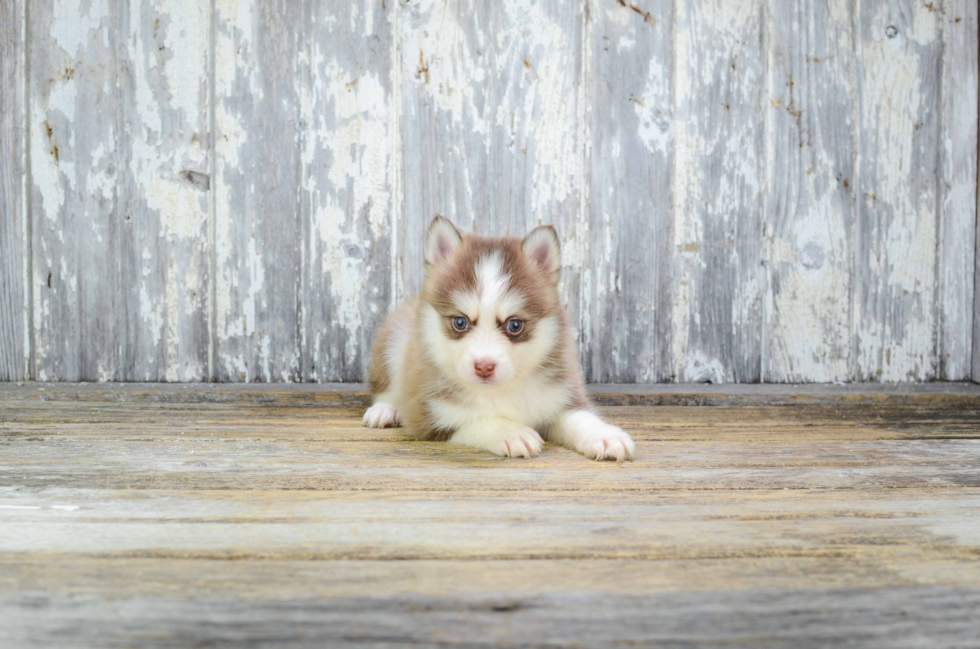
[
  {"x": 348, "y": 194},
  {"x": 632, "y": 214},
  {"x": 959, "y": 189},
  {"x": 719, "y": 283},
  {"x": 259, "y": 228},
  {"x": 810, "y": 192},
  {"x": 14, "y": 282},
  {"x": 118, "y": 98},
  {"x": 899, "y": 76}
]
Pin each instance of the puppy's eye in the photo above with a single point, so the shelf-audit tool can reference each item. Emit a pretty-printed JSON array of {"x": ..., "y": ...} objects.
[
  {"x": 515, "y": 326},
  {"x": 461, "y": 323}
]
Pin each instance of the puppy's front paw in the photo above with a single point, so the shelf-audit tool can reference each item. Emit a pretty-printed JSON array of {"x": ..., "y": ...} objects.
[
  {"x": 500, "y": 437},
  {"x": 381, "y": 415},
  {"x": 596, "y": 439},
  {"x": 613, "y": 443},
  {"x": 520, "y": 442}
]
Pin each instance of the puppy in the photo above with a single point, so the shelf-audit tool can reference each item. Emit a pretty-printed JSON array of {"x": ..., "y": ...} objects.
[{"x": 483, "y": 356}]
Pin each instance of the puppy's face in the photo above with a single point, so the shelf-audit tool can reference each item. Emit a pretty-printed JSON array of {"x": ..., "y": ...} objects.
[{"x": 490, "y": 306}]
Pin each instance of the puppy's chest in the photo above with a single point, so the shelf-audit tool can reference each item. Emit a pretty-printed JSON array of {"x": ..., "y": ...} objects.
[{"x": 534, "y": 404}]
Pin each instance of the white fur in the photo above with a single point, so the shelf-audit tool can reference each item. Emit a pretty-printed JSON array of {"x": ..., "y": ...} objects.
[
  {"x": 394, "y": 356},
  {"x": 533, "y": 403},
  {"x": 499, "y": 436},
  {"x": 382, "y": 414},
  {"x": 491, "y": 281},
  {"x": 585, "y": 432}
]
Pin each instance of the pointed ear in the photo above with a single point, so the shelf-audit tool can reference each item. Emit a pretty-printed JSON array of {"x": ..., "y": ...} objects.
[
  {"x": 440, "y": 241},
  {"x": 542, "y": 247}
]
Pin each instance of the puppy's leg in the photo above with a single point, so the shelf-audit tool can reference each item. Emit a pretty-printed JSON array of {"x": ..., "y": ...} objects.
[
  {"x": 499, "y": 436},
  {"x": 387, "y": 369},
  {"x": 585, "y": 432}
]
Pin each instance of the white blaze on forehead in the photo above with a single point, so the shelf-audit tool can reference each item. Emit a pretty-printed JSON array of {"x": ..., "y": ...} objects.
[
  {"x": 493, "y": 295},
  {"x": 491, "y": 281}
]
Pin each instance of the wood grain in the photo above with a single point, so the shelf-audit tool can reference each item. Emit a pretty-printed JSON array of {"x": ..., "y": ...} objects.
[
  {"x": 303, "y": 232},
  {"x": 718, "y": 191},
  {"x": 220, "y": 523},
  {"x": 14, "y": 258},
  {"x": 959, "y": 190},
  {"x": 632, "y": 150},
  {"x": 926, "y": 395},
  {"x": 259, "y": 230},
  {"x": 76, "y": 193},
  {"x": 810, "y": 197},
  {"x": 349, "y": 167},
  {"x": 119, "y": 164},
  {"x": 925, "y": 617},
  {"x": 899, "y": 118}
]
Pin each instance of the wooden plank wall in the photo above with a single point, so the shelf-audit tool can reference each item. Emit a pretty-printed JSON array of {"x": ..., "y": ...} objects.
[{"x": 237, "y": 191}]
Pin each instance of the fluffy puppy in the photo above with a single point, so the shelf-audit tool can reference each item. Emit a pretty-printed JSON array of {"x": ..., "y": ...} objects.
[{"x": 483, "y": 356}]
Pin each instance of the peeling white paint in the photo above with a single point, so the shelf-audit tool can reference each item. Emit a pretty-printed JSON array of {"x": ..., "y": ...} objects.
[
  {"x": 718, "y": 77},
  {"x": 653, "y": 108},
  {"x": 72, "y": 22},
  {"x": 503, "y": 85},
  {"x": 446, "y": 64},
  {"x": 352, "y": 131},
  {"x": 896, "y": 334}
]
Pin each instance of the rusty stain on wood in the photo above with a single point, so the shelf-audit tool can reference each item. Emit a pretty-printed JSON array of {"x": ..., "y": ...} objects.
[{"x": 423, "y": 68}]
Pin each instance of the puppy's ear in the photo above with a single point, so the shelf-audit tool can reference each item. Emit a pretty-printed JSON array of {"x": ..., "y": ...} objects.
[
  {"x": 542, "y": 247},
  {"x": 441, "y": 241}
]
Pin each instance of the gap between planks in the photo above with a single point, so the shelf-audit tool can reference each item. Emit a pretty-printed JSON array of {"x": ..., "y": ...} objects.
[{"x": 955, "y": 394}]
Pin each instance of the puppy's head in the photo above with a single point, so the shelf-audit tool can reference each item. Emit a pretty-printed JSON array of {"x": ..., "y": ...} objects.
[{"x": 490, "y": 307}]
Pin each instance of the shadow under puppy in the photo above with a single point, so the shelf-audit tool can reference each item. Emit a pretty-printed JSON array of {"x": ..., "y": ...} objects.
[{"x": 483, "y": 356}]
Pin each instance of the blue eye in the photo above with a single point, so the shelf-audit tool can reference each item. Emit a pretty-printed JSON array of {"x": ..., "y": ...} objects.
[
  {"x": 460, "y": 323},
  {"x": 515, "y": 326}
]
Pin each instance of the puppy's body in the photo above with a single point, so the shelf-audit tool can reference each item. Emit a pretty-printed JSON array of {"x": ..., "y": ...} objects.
[{"x": 483, "y": 357}]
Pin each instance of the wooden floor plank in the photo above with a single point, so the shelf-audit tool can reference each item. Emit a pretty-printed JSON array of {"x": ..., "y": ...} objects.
[
  {"x": 492, "y": 526},
  {"x": 342, "y": 423},
  {"x": 897, "y": 618},
  {"x": 651, "y": 394},
  {"x": 183, "y": 517}
]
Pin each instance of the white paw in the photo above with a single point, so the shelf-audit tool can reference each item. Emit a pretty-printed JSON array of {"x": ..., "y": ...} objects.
[
  {"x": 607, "y": 443},
  {"x": 519, "y": 442},
  {"x": 381, "y": 415},
  {"x": 598, "y": 440}
]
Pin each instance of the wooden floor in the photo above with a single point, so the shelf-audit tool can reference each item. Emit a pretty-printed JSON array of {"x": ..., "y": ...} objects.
[{"x": 234, "y": 516}]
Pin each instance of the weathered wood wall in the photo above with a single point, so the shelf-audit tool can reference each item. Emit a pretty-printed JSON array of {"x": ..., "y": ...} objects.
[{"x": 237, "y": 190}]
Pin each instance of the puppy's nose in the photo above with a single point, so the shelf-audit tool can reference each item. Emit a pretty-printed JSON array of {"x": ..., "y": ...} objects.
[{"x": 484, "y": 368}]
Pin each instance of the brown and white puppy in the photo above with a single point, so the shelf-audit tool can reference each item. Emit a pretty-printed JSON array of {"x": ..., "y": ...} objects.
[{"x": 483, "y": 356}]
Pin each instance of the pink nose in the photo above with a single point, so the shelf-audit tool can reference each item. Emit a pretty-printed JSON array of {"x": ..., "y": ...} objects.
[{"x": 484, "y": 368}]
